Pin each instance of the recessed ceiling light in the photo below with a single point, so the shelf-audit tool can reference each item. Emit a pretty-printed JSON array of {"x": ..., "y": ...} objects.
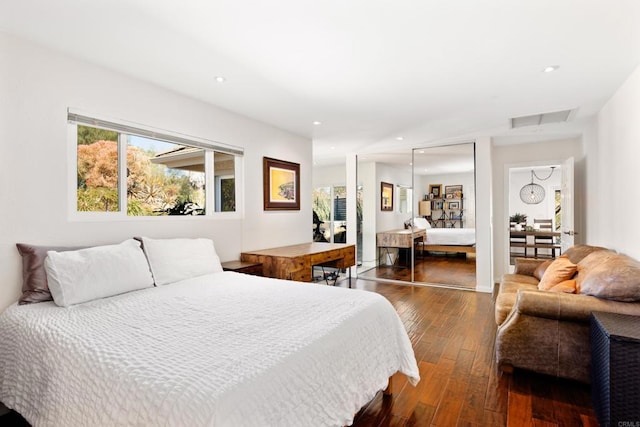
[
  {"x": 317, "y": 123},
  {"x": 400, "y": 138},
  {"x": 220, "y": 79},
  {"x": 551, "y": 68}
]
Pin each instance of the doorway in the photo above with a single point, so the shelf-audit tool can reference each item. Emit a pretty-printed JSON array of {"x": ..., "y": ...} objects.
[{"x": 535, "y": 211}]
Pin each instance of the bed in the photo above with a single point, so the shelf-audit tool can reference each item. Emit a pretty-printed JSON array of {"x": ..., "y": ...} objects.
[
  {"x": 447, "y": 239},
  {"x": 216, "y": 349}
]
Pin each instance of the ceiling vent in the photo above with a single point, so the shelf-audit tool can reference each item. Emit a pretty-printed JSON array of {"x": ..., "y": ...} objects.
[{"x": 540, "y": 119}]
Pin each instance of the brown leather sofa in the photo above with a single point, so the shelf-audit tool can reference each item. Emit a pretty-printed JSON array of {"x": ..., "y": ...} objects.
[{"x": 548, "y": 332}]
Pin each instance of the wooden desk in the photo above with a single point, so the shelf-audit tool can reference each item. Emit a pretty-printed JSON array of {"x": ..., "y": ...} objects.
[
  {"x": 402, "y": 239},
  {"x": 519, "y": 239},
  {"x": 296, "y": 262}
]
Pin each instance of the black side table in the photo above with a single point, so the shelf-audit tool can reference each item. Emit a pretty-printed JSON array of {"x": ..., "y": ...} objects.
[{"x": 615, "y": 368}]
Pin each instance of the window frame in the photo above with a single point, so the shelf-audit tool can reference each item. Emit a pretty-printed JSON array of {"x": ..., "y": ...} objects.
[{"x": 210, "y": 147}]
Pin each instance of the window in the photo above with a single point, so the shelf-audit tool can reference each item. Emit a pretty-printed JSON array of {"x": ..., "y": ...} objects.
[
  {"x": 127, "y": 170},
  {"x": 224, "y": 174},
  {"x": 330, "y": 222}
]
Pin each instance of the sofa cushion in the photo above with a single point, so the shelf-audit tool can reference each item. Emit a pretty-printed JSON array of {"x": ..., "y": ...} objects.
[
  {"x": 577, "y": 253},
  {"x": 618, "y": 278},
  {"x": 559, "y": 270},
  {"x": 539, "y": 271},
  {"x": 519, "y": 278}
]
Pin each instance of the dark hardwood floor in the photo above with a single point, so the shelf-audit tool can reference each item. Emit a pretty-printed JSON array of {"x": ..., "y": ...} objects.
[
  {"x": 453, "y": 334},
  {"x": 449, "y": 269}
]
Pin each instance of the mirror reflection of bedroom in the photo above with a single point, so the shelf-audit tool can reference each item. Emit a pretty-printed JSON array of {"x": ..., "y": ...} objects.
[{"x": 417, "y": 221}]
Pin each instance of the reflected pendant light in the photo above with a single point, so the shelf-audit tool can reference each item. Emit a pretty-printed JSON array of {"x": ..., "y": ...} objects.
[{"x": 533, "y": 193}]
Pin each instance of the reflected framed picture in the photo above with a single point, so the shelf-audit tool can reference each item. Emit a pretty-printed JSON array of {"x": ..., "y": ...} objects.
[
  {"x": 281, "y": 184},
  {"x": 386, "y": 196},
  {"x": 436, "y": 190},
  {"x": 453, "y": 189}
]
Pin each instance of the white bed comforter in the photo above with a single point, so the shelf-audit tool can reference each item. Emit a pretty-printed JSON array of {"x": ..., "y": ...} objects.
[
  {"x": 224, "y": 349},
  {"x": 451, "y": 236}
]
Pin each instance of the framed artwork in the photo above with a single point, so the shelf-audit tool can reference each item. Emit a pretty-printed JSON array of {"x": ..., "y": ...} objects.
[
  {"x": 281, "y": 185},
  {"x": 386, "y": 196},
  {"x": 436, "y": 190},
  {"x": 454, "y": 205},
  {"x": 452, "y": 189}
]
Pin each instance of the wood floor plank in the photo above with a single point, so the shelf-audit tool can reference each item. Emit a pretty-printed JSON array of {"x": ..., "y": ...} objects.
[
  {"x": 450, "y": 406},
  {"x": 473, "y": 410},
  {"x": 519, "y": 410},
  {"x": 421, "y": 416},
  {"x": 539, "y": 423},
  {"x": 438, "y": 380},
  {"x": 409, "y": 396}
]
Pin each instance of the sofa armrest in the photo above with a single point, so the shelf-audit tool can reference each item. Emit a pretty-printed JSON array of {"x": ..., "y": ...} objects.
[
  {"x": 527, "y": 266},
  {"x": 563, "y": 306}
]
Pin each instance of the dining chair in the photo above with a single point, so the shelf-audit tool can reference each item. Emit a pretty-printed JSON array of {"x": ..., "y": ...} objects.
[{"x": 544, "y": 242}]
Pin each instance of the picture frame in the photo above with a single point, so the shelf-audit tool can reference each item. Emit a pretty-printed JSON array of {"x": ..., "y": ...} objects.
[
  {"x": 452, "y": 189},
  {"x": 386, "y": 196},
  {"x": 436, "y": 190},
  {"x": 281, "y": 184},
  {"x": 449, "y": 195},
  {"x": 454, "y": 205}
]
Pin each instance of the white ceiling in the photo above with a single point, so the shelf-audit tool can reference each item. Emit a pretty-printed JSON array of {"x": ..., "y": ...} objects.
[{"x": 369, "y": 70}]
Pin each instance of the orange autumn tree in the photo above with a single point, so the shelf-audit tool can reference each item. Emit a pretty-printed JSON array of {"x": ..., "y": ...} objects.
[
  {"x": 151, "y": 189},
  {"x": 98, "y": 176}
]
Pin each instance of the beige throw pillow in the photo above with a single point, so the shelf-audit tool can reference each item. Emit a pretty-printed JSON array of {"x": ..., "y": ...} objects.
[{"x": 617, "y": 278}]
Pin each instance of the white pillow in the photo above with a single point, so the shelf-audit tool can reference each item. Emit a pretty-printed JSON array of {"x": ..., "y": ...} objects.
[
  {"x": 172, "y": 260},
  {"x": 102, "y": 271},
  {"x": 421, "y": 222}
]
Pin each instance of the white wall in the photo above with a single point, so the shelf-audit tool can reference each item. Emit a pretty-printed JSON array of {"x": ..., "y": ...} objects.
[
  {"x": 543, "y": 210},
  {"x": 613, "y": 173},
  {"x": 467, "y": 180},
  {"x": 39, "y": 84},
  {"x": 329, "y": 176},
  {"x": 391, "y": 220},
  {"x": 540, "y": 153},
  {"x": 484, "y": 215}
]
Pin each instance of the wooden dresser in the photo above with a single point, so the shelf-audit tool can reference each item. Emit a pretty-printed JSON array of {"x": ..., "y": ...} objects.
[{"x": 296, "y": 262}]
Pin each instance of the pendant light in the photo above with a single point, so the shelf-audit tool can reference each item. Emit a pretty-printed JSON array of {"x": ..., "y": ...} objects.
[{"x": 533, "y": 193}]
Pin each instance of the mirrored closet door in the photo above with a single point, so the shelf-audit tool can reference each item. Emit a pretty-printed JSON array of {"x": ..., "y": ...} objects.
[{"x": 417, "y": 216}]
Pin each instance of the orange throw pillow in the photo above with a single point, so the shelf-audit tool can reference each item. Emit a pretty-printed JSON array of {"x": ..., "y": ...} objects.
[
  {"x": 559, "y": 270},
  {"x": 568, "y": 287}
]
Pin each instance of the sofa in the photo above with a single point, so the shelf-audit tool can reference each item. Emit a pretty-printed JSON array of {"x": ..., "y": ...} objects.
[{"x": 542, "y": 309}]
